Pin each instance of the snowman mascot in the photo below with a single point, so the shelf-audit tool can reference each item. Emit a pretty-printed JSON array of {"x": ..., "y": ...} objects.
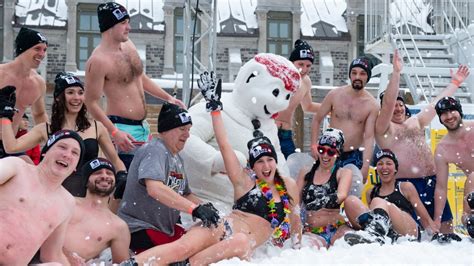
[{"x": 262, "y": 88}]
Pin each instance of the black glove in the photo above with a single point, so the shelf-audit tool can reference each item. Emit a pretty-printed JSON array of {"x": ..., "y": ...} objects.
[
  {"x": 445, "y": 238},
  {"x": 470, "y": 225},
  {"x": 211, "y": 90},
  {"x": 207, "y": 213},
  {"x": 7, "y": 102},
  {"x": 120, "y": 181}
]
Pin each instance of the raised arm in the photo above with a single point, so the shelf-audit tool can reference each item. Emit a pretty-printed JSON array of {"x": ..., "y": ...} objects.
[
  {"x": 344, "y": 181},
  {"x": 211, "y": 89},
  {"x": 458, "y": 77},
  {"x": 325, "y": 108},
  {"x": 13, "y": 145},
  {"x": 390, "y": 98}
]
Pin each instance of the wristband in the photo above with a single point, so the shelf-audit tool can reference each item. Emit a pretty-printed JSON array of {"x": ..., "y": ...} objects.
[
  {"x": 216, "y": 113},
  {"x": 456, "y": 82},
  {"x": 6, "y": 122},
  {"x": 191, "y": 209},
  {"x": 114, "y": 132}
]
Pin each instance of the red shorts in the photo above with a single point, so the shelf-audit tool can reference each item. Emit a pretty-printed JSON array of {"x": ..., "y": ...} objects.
[{"x": 148, "y": 238}]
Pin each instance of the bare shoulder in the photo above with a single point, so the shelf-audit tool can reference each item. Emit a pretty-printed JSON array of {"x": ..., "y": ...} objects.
[
  {"x": 407, "y": 188},
  {"x": 290, "y": 184},
  {"x": 13, "y": 161}
]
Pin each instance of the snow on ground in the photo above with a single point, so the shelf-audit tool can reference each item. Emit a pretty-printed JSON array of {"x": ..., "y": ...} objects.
[{"x": 404, "y": 252}]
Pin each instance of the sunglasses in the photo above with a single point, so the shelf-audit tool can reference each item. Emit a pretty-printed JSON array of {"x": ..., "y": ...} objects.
[{"x": 324, "y": 149}]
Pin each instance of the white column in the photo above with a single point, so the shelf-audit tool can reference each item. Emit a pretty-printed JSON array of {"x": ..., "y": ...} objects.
[{"x": 71, "y": 64}]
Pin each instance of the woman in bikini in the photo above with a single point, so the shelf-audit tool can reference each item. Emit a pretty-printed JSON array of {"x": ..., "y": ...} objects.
[
  {"x": 69, "y": 112},
  {"x": 322, "y": 191},
  {"x": 392, "y": 205}
]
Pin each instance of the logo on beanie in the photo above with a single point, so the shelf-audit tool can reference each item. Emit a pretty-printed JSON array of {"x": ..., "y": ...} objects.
[
  {"x": 94, "y": 164},
  {"x": 69, "y": 79},
  {"x": 361, "y": 61},
  {"x": 119, "y": 14},
  {"x": 42, "y": 38},
  {"x": 260, "y": 149},
  {"x": 185, "y": 117},
  {"x": 306, "y": 53}
]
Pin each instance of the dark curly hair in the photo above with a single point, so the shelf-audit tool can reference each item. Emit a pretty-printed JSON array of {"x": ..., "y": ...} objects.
[{"x": 59, "y": 110}]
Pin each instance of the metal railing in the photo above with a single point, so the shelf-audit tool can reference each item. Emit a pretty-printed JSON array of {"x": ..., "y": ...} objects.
[{"x": 420, "y": 16}]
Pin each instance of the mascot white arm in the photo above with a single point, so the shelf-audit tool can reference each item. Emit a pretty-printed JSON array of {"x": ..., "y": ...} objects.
[{"x": 262, "y": 88}]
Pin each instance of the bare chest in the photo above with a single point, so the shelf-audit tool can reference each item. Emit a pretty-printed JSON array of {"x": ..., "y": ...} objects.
[
  {"x": 28, "y": 90},
  {"x": 460, "y": 153},
  {"x": 348, "y": 110},
  {"x": 125, "y": 67}
]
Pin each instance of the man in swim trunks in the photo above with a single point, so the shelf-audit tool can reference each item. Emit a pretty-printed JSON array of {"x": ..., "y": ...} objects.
[
  {"x": 456, "y": 147},
  {"x": 114, "y": 69},
  {"x": 302, "y": 57},
  {"x": 354, "y": 111},
  {"x": 405, "y": 136}
]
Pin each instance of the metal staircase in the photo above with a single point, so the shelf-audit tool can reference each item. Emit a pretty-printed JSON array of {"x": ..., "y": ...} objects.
[{"x": 428, "y": 40}]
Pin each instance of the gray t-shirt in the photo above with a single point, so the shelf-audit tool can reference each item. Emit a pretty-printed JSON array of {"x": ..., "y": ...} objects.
[{"x": 139, "y": 210}]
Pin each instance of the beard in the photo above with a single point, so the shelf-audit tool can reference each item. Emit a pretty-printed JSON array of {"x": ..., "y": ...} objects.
[
  {"x": 357, "y": 84},
  {"x": 93, "y": 189},
  {"x": 455, "y": 127}
]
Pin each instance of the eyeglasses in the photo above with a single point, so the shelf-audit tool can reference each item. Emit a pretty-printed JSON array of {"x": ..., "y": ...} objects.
[{"x": 324, "y": 149}]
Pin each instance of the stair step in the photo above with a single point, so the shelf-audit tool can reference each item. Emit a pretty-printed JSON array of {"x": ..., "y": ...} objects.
[
  {"x": 437, "y": 65},
  {"x": 432, "y": 56},
  {"x": 421, "y": 37},
  {"x": 433, "y": 46}
]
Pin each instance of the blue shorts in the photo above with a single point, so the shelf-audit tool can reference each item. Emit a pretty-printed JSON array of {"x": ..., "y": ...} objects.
[
  {"x": 426, "y": 187},
  {"x": 286, "y": 142},
  {"x": 350, "y": 157},
  {"x": 139, "y": 129}
]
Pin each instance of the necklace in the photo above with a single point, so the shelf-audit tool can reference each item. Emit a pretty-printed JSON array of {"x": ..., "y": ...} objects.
[{"x": 281, "y": 231}]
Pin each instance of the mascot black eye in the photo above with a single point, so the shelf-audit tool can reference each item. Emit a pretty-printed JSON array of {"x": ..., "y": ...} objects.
[
  {"x": 275, "y": 92},
  {"x": 250, "y": 77},
  {"x": 288, "y": 96}
]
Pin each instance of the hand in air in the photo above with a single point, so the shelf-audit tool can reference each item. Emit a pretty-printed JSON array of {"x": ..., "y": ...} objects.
[
  {"x": 460, "y": 75},
  {"x": 397, "y": 62},
  {"x": 211, "y": 89}
]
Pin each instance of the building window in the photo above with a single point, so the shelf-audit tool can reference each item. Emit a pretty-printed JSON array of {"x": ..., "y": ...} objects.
[
  {"x": 179, "y": 40},
  {"x": 88, "y": 34},
  {"x": 1, "y": 30},
  {"x": 279, "y": 33}
]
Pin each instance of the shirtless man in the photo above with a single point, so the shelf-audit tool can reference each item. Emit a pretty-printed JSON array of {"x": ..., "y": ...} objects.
[
  {"x": 456, "y": 147},
  {"x": 30, "y": 49},
  {"x": 34, "y": 207},
  {"x": 302, "y": 57},
  {"x": 93, "y": 227},
  {"x": 354, "y": 111},
  {"x": 405, "y": 136},
  {"x": 114, "y": 69}
]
